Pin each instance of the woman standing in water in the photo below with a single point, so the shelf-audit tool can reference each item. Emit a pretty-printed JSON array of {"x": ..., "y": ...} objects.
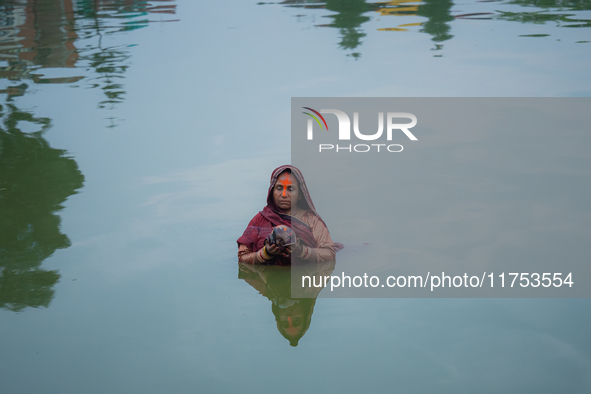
[{"x": 288, "y": 204}]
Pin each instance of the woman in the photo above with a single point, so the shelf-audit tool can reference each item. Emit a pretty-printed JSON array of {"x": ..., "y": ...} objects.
[{"x": 289, "y": 204}]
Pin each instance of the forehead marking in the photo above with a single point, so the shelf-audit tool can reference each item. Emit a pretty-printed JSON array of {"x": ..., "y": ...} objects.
[{"x": 285, "y": 182}]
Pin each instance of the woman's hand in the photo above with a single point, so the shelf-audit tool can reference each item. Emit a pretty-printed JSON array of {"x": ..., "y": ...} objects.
[
  {"x": 297, "y": 247},
  {"x": 273, "y": 250}
]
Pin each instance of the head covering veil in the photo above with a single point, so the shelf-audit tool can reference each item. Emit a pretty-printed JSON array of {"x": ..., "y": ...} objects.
[
  {"x": 306, "y": 204},
  {"x": 271, "y": 216}
]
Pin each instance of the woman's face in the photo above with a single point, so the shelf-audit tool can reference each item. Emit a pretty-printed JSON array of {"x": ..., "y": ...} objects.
[
  {"x": 285, "y": 191},
  {"x": 292, "y": 321}
]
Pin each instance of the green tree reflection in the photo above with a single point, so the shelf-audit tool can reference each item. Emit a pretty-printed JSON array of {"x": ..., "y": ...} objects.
[
  {"x": 350, "y": 15},
  {"x": 573, "y": 5},
  {"x": 100, "y": 19},
  {"x": 558, "y": 11},
  {"x": 348, "y": 19},
  {"x": 35, "y": 180},
  {"x": 37, "y": 35},
  {"x": 438, "y": 14}
]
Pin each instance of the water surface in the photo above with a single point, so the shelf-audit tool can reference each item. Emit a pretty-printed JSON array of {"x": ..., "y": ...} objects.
[{"x": 136, "y": 142}]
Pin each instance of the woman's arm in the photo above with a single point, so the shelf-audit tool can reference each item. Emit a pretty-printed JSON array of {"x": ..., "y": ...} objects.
[
  {"x": 324, "y": 250},
  {"x": 245, "y": 255}
]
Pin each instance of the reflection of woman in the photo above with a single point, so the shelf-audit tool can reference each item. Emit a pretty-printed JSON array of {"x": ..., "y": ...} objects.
[
  {"x": 289, "y": 204},
  {"x": 292, "y": 315}
]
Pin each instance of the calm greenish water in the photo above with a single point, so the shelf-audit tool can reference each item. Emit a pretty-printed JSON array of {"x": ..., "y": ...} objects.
[{"x": 136, "y": 142}]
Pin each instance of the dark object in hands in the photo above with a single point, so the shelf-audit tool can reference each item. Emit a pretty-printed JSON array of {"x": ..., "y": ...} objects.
[{"x": 281, "y": 236}]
